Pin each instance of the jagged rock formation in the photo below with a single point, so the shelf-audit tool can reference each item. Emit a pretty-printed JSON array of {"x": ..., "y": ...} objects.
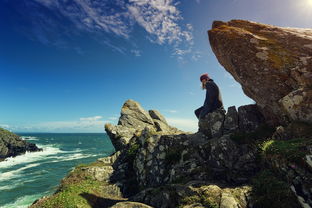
[
  {"x": 12, "y": 145},
  {"x": 247, "y": 119},
  {"x": 133, "y": 120},
  {"x": 160, "y": 166},
  {"x": 273, "y": 65}
]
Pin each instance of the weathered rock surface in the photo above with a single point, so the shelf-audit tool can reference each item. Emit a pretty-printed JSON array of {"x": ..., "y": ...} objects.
[
  {"x": 12, "y": 145},
  {"x": 133, "y": 120},
  {"x": 195, "y": 194},
  {"x": 250, "y": 118},
  {"x": 212, "y": 124},
  {"x": 134, "y": 116},
  {"x": 273, "y": 65},
  {"x": 215, "y": 124},
  {"x": 231, "y": 120}
]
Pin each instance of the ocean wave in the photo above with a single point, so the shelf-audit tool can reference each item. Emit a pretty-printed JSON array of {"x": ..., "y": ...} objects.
[
  {"x": 23, "y": 201},
  {"x": 29, "y": 157},
  {"x": 72, "y": 157},
  {"x": 17, "y": 183},
  {"x": 15, "y": 173}
]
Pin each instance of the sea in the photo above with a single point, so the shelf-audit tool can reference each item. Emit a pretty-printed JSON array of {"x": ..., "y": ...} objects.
[{"x": 27, "y": 177}]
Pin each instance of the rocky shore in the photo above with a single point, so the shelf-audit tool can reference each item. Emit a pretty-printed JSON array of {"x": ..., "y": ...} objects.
[
  {"x": 12, "y": 145},
  {"x": 259, "y": 156}
]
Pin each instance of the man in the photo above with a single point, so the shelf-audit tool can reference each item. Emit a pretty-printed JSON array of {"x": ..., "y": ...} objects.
[{"x": 213, "y": 99}]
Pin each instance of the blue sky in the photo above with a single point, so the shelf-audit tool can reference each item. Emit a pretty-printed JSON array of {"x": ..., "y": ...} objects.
[{"x": 69, "y": 65}]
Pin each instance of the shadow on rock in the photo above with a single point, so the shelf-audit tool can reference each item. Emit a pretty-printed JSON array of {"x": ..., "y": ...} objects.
[{"x": 99, "y": 202}]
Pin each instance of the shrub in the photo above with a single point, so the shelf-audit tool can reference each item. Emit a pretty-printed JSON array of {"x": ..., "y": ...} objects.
[{"x": 270, "y": 191}]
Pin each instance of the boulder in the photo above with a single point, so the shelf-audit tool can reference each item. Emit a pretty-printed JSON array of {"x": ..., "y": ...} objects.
[
  {"x": 231, "y": 121},
  {"x": 212, "y": 124},
  {"x": 128, "y": 204},
  {"x": 193, "y": 194},
  {"x": 250, "y": 118},
  {"x": 134, "y": 116},
  {"x": 132, "y": 122},
  {"x": 119, "y": 135},
  {"x": 273, "y": 65}
]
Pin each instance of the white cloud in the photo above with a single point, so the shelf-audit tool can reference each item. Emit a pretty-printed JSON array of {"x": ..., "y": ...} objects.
[
  {"x": 161, "y": 19},
  {"x": 136, "y": 53},
  {"x": 112, "y": 118},
  {"x": 183, "y": 124}
]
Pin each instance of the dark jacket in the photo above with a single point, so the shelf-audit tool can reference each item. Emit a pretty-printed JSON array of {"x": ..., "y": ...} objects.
[{"x": 213, "y": 99}]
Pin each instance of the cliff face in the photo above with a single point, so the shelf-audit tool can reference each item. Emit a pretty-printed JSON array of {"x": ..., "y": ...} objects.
[
  {"x": 12, "y": 145},
  {"x": 273, "y": 65}
]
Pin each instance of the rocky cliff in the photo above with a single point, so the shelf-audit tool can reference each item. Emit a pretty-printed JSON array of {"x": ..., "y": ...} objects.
[
  {"x": 12, "y": 145},
  {"x": 235, "y": 160},
  {"x": 221, "y": 165},
  {"x": 273, "y": 65}
]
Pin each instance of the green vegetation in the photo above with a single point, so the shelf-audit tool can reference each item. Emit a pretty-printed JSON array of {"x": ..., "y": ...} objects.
[
  {"x": 71, "y": 195},
  {"x": 262, "y": 132},
  {"x": 206, "y": 201},
  {"x": 7, "y": 135},
  {"x": 270, "y": 191},
  {"x": 292, "y": 150},
  {"x": 132, "y": 151},
  {"x": 74, "y": 190}
]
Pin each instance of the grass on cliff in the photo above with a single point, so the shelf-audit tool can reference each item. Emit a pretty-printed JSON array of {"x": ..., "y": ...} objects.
[
  {"x": 292, "y": 150},
  {"x": 270, "y": 191},
  {"x": 75, "y": 191},
  {"x": 205, "y": 201}
]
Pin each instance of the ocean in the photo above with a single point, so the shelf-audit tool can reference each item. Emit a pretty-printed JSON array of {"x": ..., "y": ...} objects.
[{"x": 28, "y": 177}]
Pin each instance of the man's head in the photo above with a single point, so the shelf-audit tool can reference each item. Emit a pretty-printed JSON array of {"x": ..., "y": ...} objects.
[{"x": 204, "y": 78}]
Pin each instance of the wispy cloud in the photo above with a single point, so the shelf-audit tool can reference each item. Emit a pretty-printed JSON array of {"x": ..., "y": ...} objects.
[
  {"x": 56, "y": 22},
  {"x": 85, "y": 124},
  {"x": 172, "y": 111},
  {"x": 136, "y": 53},
  {"x": 91, "y": 119},
  {"x": 113, "y": 118}
]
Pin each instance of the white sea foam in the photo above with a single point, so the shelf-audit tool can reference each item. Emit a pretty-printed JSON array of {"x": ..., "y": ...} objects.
[
  {"x": 24, "y": 201},
  {"x": 15, "y": 173},
  {"x": 71, "y": 157},
  {"x": 29, "y": 138},
  {"x": 17, "y": 183},
  {"x": 29, "y": 157}
]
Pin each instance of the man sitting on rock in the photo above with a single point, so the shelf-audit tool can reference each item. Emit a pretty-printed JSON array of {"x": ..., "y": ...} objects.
[{"x": 213, "y": 99}]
